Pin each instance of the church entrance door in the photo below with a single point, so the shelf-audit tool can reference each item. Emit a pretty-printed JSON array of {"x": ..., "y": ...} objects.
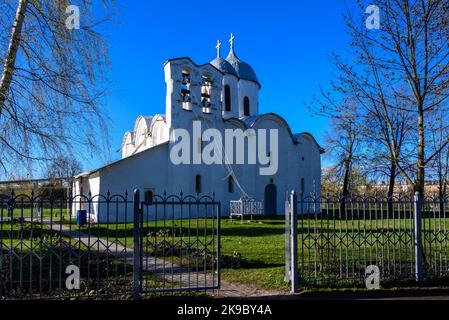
[{"x": 270, "y": 199}]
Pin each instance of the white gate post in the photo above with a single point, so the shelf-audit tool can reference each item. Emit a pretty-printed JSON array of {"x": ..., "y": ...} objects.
[
  {"x": 294, "y": 241},
  {"x": 136, "y": 253},
  {"x": 287, "y": 240},
  {"x": 418, "y": 240}
]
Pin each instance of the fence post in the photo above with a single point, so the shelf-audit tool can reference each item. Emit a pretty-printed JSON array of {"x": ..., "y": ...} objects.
[
  {"x": 136, "y": 252},
  {"x": 294, "y": 241},
  {"x": 287, "y": 240},
  {"x": 418, "y": 240}
]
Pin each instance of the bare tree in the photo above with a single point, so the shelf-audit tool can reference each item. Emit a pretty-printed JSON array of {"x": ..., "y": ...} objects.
[
  {"x": 411, "y": 49},
  {"x": 343, "y": 141},
  {"x": 439, "y": 166},
  {"x": 64, "y": 167},
  {"x": 51, "y": 89}
]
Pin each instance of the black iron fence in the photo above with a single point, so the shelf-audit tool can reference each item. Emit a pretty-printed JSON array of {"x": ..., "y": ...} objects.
[
  {"x": 87, "y": 246},
  {"x": 403, "y": 237},
  {"x": 179, "y": 243}
]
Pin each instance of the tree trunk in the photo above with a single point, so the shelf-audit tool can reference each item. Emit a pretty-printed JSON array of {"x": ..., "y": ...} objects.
[
  {"x": 391, "y": 185},
  {"x": 8, "y": 68},
  {"x": 441, "y": 201},
  {"x": 345, "y": 193},
  {"x": 419, "y": 186}
]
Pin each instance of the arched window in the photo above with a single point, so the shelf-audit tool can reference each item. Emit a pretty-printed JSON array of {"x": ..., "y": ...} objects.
[
  {"x": 206, "y": 88},
  {"x": 149, "y": 196},
  {"x": 246, "y": 106},
  {"x": 185, "y": 90},
  {"x": 302, "y": 185},
  {"x": 231, "y": 184},
  {"x": 227, "y": 92},
  {"x": 198, "y": 183}
]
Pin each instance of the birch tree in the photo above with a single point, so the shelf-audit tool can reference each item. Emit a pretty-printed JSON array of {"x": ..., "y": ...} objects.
[{"x": 52, "y": 83}]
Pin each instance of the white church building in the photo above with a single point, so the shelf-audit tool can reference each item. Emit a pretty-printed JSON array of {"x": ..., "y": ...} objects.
[{"x": 222, "y": 95}]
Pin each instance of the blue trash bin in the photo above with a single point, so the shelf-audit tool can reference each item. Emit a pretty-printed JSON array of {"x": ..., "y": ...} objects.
[{"x": 81, "y": 217}]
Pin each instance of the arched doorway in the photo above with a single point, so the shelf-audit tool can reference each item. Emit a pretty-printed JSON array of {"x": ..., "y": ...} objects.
[{"x": 270, "y": 199}]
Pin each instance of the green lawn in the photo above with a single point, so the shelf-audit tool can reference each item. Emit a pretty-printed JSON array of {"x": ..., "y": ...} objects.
[{"x": 27, "y": 212}]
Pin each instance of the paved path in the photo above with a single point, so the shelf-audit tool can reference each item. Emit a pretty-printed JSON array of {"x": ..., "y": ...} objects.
[{"x": 172, "y": 273}]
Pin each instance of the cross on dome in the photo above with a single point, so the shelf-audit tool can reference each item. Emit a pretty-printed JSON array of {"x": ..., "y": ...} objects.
[
  {"x": 218, "y": 46},
  {"x": 231, "y": 40}
]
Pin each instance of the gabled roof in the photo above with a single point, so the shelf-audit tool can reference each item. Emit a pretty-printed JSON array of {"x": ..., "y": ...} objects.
[
  {"x": 250, "y": 121},
  {"x": 88, "y": 173},
  {"x": 297, "y": 135}
]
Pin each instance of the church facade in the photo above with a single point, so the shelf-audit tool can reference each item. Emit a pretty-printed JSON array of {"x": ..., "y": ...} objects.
[{"x": 222, "y": 95}]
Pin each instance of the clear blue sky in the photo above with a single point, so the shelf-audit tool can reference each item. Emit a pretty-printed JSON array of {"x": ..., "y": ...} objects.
[{"x": 287, "y": 42}]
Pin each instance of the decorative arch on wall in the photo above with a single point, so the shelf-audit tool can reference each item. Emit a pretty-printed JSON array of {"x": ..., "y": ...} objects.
[
  {"x": 127, "y": 144},
  {"x": 141, "y": 130},
  {"x": 158, "y": 129},
  {"x": 311, "y": 138},
  {"x": 251, "y": 121}
]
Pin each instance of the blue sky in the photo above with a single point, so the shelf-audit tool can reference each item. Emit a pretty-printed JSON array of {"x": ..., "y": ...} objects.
[{"x": 287, "y": 42}]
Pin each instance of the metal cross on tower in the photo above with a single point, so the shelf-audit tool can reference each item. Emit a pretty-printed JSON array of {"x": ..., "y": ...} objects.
[{"x": 218, "y": 46}]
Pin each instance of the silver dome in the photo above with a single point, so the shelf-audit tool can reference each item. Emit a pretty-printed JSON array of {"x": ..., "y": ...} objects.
[
  {"x": 244, "y": 70},
  {"x": 224, "y": 66}
]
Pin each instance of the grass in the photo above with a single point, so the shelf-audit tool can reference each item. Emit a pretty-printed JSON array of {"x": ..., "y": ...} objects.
[
  {"x": 28, "y": 212},
  {"x": 258, "y": 247}
]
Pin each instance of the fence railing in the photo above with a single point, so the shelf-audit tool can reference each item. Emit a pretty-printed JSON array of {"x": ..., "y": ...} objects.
[
  {"x": 404, "y": 236},
  {"x": 84, "y": 247},
  {"x": 179, "y": 244}
]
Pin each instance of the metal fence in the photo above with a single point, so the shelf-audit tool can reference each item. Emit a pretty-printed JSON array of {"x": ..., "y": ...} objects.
[
  {"x": 179, "y": 246},
  {"x": 338, "y": 238},
  {"x": 87, "y": 247}
]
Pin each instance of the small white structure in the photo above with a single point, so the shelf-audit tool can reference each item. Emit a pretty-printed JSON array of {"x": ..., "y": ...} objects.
[
  {"x": 246, "y": 207},
  {"x": 222, "y": 94}
]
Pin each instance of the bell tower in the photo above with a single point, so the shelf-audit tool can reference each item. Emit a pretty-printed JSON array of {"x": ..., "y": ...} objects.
[{"x": 192, "y": 91}]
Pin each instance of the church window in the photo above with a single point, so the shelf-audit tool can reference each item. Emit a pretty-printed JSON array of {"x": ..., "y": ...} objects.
[
  {"x": 227, "y": 98},
  {"x": 185, "y": 90},
  {"x": 206, "y": 88},
  {"x": 246, "y": 106},
  {"x": 302, "y": 185},
  {"x": 149, "y": 196},
  {"x": 198, "y": 183},
  {"x": 231, "y": 184}
]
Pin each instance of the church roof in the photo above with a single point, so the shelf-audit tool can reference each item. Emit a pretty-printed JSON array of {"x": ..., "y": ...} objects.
[
  {"x": 307, "y": 134},
  {"x": 224, "y": 66},
  {"x": 243, "y": 70},
  {"x": 250, "y": 121}
]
